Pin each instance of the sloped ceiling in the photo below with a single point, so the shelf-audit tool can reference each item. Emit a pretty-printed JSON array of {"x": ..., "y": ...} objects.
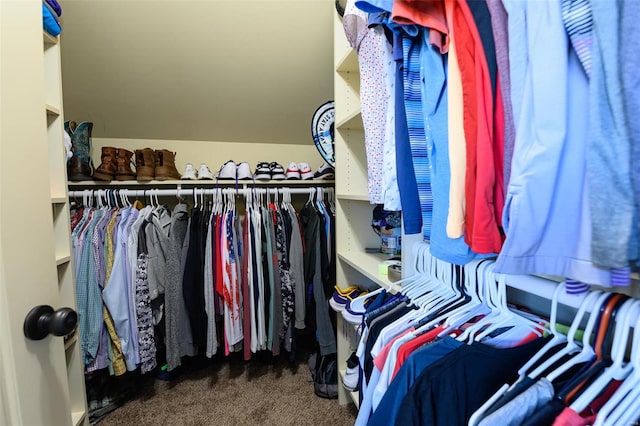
[{"x": 211, "y": 70}]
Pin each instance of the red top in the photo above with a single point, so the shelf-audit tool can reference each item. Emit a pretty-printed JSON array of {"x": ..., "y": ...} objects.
[
  {"x": 483, "y": 210},
  {"x": 408, "y": 348}
]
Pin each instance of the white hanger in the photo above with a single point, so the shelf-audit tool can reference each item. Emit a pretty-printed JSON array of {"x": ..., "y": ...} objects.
[
  {"x": 487, "y": 290},
  {"x": 587, "y": 351},
  {"x": 507, "y": 316},
  {"x": 556, "y": 339},
  {"x": 571, "y": 344},
  {"x": 474, "y": 306},
  {"x": 99, "y": 194},
  {"x": 630, "y": 309},
  {"x": 616, "y": 406}
]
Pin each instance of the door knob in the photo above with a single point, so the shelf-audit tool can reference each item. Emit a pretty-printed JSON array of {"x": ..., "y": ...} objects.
[{"x": 42, "y": 320}]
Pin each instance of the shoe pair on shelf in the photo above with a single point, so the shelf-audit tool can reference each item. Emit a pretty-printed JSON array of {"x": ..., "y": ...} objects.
[
  {"x": 115, "y": 163},
  {"x": 341, "y": 302},
  {"x": 298, "y": 171},
  {"x": 231, "y": 170},
  {"x": 325, "y": 172},
  {"x": 269, "y": 171},
  {"x": 190, "y": 172}
]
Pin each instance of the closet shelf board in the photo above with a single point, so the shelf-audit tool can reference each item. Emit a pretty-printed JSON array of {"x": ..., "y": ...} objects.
[
  {"x": 348, "y": 63},
  {"x": 367, "y": 265},
  {"x": 61, "y": 260},
  {"x": 48, "y": 38},
  {"x": 70, "y": 342},
  {"x": 77, "y": 417},
  {"x": 354, "y": 197},
  {"x": 351, "y": 121},
  {"x": 58, "y": 200},
  {"x": 199, "y": 183},
  {"x": 52, "y": 110}
]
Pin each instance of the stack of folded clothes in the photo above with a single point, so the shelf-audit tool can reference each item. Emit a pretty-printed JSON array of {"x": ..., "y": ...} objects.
[{"x": 51, "y": 12}]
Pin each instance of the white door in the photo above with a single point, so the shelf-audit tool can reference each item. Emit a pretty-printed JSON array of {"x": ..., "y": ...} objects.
[{"x": 34, "y": 375}]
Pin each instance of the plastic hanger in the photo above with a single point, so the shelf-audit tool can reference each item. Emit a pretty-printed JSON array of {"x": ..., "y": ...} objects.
[
  {"x": 602, "y": 347},
  {"x": 628, "y": 392},
  {"x": 619, "y": 369},
  {"x": 487, "y": 285},
  {"x": 556, "y": 339},
  {"x": 473, "y": 307},
  {"x": 593, "y": 302}
]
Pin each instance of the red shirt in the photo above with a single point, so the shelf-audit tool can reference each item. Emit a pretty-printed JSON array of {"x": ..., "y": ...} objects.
[
  {"x": 482, "y": 209},
  {"x": 407, "y": 349}
]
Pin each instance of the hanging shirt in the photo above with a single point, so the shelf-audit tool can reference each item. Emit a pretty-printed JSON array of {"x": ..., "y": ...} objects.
[
  {"x": 614, "y": 216},
  {"x": 231, "y": 294},
  {"x": 547, "y": 217},
  {"x": 117, "y": 297},
  {"x": 482, "y": 208},
  {"x": 374, "y": 96},
  {"x": 193, "y": 281},
  {"x": 387, "y": 409},
  {"x": 452, "y": 388},
  {"x": 209, "y": 306}
]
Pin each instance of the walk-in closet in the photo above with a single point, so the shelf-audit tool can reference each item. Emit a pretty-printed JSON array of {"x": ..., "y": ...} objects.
[{"x": 323, "y": 212}]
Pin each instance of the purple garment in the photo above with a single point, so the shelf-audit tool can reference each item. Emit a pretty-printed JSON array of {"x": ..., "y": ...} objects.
[
  {"x": 499, "y": 23},
  {"x": 55, "y": 6}
]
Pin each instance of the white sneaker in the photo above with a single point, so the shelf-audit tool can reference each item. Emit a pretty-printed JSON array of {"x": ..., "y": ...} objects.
[
  {"x": 350, "y": 377},
  {"x": 305, "y": 171},
  {"x": 204, "y": 173},
  {"x": 244, "y": 171},
  {"x": 292, "y": 171},
  {"x": 228, "y": 170},
  {"x": 189, "y": 173}
]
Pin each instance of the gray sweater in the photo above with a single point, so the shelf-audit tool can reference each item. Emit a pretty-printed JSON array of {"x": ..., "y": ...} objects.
[{"x": 178, "y": 340}]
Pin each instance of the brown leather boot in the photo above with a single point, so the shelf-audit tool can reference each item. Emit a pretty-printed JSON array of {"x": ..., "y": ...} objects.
[
  {"x": 123, "y": 165},
  {"x": 107, "y": 168},
  {"x": 145, "y": 164},
  {"x": 166, "y": 165}
]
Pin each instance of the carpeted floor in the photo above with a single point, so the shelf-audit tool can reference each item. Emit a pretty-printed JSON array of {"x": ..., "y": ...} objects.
[{"x": 232, "y": 392}]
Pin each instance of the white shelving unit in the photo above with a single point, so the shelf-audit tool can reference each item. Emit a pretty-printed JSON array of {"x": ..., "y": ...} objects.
[
  {"x": 353, "y": 216},
  {"x": 60, "y": 217}
]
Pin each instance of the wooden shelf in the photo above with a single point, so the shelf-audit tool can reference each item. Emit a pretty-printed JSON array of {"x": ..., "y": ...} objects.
[
  {"x": 353, "y": 197},
  {"x": 348, "y": 63},
  {"x": 201, "y": 183},
  {"x": 71, "y": 341},
  {"x": 351, "y": 121},
  {"x": 62, "y": 260},
  {"x": 51, "y": 110},
  {"x": 49, "y": 39},
  {"x": 58, "y": 200},
  {"x": 77, "y": 417},
  {"x": 367, "y": 265}
]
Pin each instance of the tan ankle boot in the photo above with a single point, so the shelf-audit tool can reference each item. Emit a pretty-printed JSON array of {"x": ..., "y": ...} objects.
[
  {"x": 107, "y": 168},
  {"x": 145, "y": 164},
  {"x": 166, "y": 165},
  {"x": 123, "y": 165}
]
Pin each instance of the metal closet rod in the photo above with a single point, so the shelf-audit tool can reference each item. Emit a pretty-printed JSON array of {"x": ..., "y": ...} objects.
[{"x": 198, "y": 191}]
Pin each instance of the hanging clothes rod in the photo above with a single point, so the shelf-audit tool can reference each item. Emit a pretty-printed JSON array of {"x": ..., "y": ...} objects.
[{"x": 179, "y": 192}]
